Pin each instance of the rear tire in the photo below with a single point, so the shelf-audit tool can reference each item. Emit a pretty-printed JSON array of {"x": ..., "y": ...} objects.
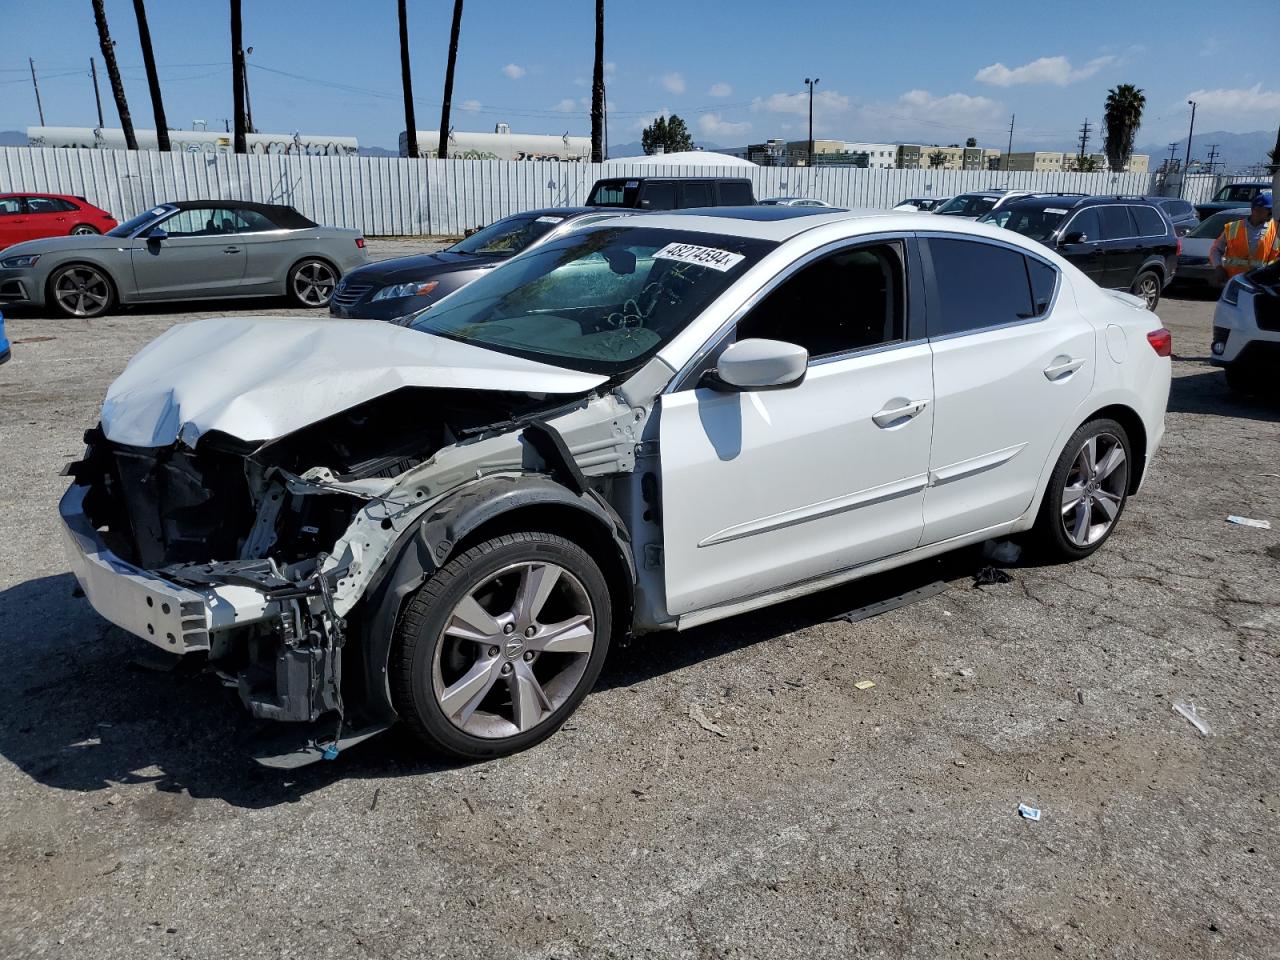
[
  {"x": 84, "y": 230},
  {"x": 1087, "y": 492},
  {"x": 1147, "y": 286},
  {"x": 311, "y": 282},
  {"x": 498, "y": 648}
]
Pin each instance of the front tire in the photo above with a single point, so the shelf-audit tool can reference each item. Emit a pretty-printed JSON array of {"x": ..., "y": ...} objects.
[
  {"x": 81, "y": 291},
  {"x": 498, "y": 648},
  {"x": 1147, "y": 286},
  {"x": 1087, "y": 492},
  {"x": 311, "y": 282}
]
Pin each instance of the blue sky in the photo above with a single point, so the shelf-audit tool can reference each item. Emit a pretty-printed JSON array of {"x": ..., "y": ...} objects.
[{"x": 930, "y": 71}]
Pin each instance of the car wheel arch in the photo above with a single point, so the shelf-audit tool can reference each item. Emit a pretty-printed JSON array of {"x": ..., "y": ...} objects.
[
  {"x": 117, "y": 289},
  {"x": 475, "y": 513}
]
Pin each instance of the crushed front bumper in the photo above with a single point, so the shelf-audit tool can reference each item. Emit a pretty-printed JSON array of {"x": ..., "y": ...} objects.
[{"x": 175, "y": 618}]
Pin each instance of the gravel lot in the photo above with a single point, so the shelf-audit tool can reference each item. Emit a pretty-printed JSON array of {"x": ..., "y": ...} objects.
[{"x": 821, "y": 821}]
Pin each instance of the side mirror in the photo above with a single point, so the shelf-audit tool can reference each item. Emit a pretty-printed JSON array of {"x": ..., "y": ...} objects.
[
  {"x": 757, "y": 364},
  {"x": 156, "y": 235},
  {"x": 1075, "y": 236}
]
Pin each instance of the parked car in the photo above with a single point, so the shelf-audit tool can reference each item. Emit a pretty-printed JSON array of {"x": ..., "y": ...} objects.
[
  {"x": 1122, "y": 243},
  {"x": 31, "y": 216},
  {"x": 923, "y": 204},
  {"x": 1246, "y": 330},
  {"x": 971, "y": 206},
  {"x": 671, "y": 193},
  {"x": 1193, "y": 257},
  {"x": 188, "y": 250},
  {"x": 394, "y": 289},
  {"x": 1231, "y": 196},
  {"x": 1181, "y": 213},
  {"x": 450, "y": 523},
  {"x": 5, "y": 351},
  {"x": 795, "y": 202}
]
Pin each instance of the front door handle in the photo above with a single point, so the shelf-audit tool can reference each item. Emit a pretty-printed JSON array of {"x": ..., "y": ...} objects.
[
  {"x": 1063, "y": 367},
  {"x": 230, "y": 249},
  {"x": 899, "y": 413}
]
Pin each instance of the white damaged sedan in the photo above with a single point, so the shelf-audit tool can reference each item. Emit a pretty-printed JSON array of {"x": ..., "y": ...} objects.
[{"x": 644, "y": 425}]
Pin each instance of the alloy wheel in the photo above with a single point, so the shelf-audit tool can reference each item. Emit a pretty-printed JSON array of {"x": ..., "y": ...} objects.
[
  {"x": 313, "y": 283},
  {"x": 84, "y": 231},
  {"x": 513, "y": 650},
  {"x": 82, "y": 291},
  {"x": 1094, "y": 489},
  {"x": 1149, "y": 290}
]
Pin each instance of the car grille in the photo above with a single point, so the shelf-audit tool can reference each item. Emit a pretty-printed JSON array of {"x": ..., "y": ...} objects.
[
  {"x": 349, "y": 293},
  {"x": 1266, "y": 310}
]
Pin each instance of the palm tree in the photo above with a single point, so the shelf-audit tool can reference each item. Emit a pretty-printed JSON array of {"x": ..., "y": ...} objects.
[
  {"x": 410, "y": 126},
  {"x": 597, "y": 90},
  {"x": 113, "y": 71},
  {"x": 153, "y": 79},
  {"x": 443, "y": 152},
  {"x": 237, "y": 78},
  {"x": 1122, "y": 118}
]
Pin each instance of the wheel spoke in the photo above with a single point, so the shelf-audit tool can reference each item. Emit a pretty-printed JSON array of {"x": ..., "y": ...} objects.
[
  {"x": 1080, "y": 531},
  {"x": 1071, "y": 497},
  {"x": 1111, "y": 462},
  {"x": 460, "y": 699},
  {"x": 574, "y": 635},
  {"x": 1090, "y": 453},
  {"x": 536, "y": 583},
  {"x": 1110, "y": 504},
  {"x": 528, "y": 700},
  {"x": 470, "y": 621}
]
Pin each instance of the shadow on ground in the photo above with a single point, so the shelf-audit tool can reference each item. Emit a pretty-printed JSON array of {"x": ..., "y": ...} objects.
[
  {"x": 82, "y": 715},
  {"x": 1207, "y": 393}
]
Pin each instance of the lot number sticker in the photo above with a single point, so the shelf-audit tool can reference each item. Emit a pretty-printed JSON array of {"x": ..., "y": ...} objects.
[{"x": 721, "y": 260}]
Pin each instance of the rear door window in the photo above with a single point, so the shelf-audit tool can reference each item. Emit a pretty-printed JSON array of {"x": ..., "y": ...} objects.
[
  {"x": 1150, "y": 223},
  {"x": 697, "y": 193},
  {"x": 735, "y": 193},
  {"x": 977, "y": 285},
  {"x": 658, "y": 195},
  {"x": 1116, "y": 224}
]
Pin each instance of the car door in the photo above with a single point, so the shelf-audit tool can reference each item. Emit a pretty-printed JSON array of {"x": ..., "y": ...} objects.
[
  {"x": 765, "y": 489},
  {"x": 1013, "y": 359},
  {"x": 193, "y": 253},
  {"x": 46, "y": 217},
  {"x": 1122, "y": 246},
  {"x": 13, "y": 221},
  {"x": 269, "y": 251},
  {"x": 1087, "y": 253}
]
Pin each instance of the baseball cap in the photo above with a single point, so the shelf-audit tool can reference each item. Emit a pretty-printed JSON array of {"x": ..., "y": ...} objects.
[{"x": 1263, "y": 200}]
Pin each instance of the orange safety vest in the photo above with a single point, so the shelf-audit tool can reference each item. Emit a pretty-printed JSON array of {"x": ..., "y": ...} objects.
[{"x": 1238, "y": 258}]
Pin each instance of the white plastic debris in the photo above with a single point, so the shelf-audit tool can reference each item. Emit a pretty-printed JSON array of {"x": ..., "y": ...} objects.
[
  {"x": 699, "y": 717},
  {"x": 1028, "y": 813},
  {"x": 1001, "y": 551},
  {"x": 1188, "y": 710},
  {"x": 1250, "y": 522}
]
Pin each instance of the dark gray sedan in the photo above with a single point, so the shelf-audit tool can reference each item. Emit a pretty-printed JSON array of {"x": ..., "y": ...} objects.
[{"x": 189, "y": 250}]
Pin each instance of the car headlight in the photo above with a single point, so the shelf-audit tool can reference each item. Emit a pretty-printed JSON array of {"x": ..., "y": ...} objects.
[
  {"x": 398, "y": 290},
  {"x": 22, "y": 260},
  {"x": 1231, "y": 292}
]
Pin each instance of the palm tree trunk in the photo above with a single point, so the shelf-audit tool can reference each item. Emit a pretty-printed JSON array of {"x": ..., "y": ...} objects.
[
  {"x": 443, "y": 152},
  {"x": 410, "y": 126},
  {"x": 597, "y": 90},
  {"x": 113, "y": 72},
  {"x": 153, "y": 78},
  {"x": 237, "y": 78}
]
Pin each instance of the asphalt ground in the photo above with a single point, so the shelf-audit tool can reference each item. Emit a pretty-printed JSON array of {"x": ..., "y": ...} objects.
[{"x": 799, "y": 816}]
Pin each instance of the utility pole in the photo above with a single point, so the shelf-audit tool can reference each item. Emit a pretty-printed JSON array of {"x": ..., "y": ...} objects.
[
  {"x": 406, "y": 83},
  {"x": 153, "y": 78},
  {"x": 1008, "y": 154},
  {"x": 811, "y": 83},
  {"x": 1186, "y": 167},
  {"x": 36, "y": 84},
  {"x": 248, "y": 105},
  {"x": 1213, "y": 156},
  {"x": 97, "y": 97},
  {"x": 1084, "y": 140}
]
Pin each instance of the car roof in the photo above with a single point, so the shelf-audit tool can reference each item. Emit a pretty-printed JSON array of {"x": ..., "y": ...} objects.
[
  {"x": 563, "y": 211},
  {"x": 673, "y": 176},
  {"x": 278, "y": 213},
  {"x": 41, "y": 193}
]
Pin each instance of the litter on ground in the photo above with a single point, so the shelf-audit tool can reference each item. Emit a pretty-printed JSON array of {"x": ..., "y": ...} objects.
[
  {"x": 1028, "y": 813},
  {"x": 1250, "y": 522},
  {"x": 1188, "y": 710}
]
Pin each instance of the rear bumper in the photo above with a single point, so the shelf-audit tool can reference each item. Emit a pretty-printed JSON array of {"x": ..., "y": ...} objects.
[{"x": 175, "y": 618}]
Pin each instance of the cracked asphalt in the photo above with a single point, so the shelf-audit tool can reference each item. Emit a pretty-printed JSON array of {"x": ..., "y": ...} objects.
[{"x": 797, "y": 816}]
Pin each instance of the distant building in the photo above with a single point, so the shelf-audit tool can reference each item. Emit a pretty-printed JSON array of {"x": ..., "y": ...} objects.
[
  {"x": 913, "y": 156},
  {"x": 1043, "y": 160},
  {"x": 1038, "y": 160}
]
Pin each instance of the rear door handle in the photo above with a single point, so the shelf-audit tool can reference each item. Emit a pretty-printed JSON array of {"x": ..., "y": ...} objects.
[
  {"x": 900, "y": 413},
  {"x": 1063, "y": 367},
  {"x": 230, "y": 249}
]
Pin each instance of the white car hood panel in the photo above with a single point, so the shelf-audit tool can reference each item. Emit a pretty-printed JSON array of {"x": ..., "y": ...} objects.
[{"x": 259, "y": 378}]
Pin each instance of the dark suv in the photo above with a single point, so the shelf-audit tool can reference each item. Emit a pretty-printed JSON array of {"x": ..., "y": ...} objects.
[
  {"x": 671, "y": 193},
  {"x": 1123, "y": 243}
]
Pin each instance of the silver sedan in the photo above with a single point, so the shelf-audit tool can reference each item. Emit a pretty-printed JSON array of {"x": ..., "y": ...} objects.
[{"x": 189, "y": 250}]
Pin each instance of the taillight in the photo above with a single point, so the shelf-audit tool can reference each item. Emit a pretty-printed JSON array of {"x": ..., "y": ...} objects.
[
  {"x": 1179, "y": 250},
  {"x": 360, "y": 242},
  {"x": 1161, "y": 342}
]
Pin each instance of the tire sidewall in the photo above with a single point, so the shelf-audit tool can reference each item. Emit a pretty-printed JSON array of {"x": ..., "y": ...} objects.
[
  {"x": 62, "y": 311},
  {"x": 1052, "y": 536},
  {"x": 1136, "y": 287},
  {"x": 464, "y": 572},
  {"x": 290, "y": 281}
]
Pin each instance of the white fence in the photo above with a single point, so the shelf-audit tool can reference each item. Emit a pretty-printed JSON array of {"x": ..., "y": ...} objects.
[{"x": 401, "y": 197}]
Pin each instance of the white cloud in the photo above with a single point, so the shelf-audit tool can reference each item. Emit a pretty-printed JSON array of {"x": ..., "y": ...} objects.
[
  {"x": 720, "y": 90},
  {"x": 640, "y": 124},
  {"x": 915, "y": 114},
  {"x": 672, "y": 82},
  {"x": 1241, "y": 102},
  {"x": 471, "y": 106},
  {"x": 710, "y": 125},
  {"x": 1055, "y": 70},
  {"x": 514, "y": 71},
  {"x": 567, "y": 105},
  {"x": 610, "y": 68}
]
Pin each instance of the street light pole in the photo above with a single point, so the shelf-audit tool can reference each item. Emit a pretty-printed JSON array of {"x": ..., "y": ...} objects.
[
  {"x": 248, "y": 105},
  {"x": 1186, "y": 166},
  {"x": 811, "y": 84}
]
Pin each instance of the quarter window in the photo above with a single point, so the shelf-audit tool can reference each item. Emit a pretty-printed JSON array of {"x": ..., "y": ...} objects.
[
  {"x": 846, "y": 301},
  {"x": 979, "y": 285},
  {"x": 734, "y": 194},
  {"x": 1150, "y": 223}
]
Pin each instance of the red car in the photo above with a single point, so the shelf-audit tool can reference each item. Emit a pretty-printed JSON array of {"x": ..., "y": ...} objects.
[{"x": 31, "y": 216}]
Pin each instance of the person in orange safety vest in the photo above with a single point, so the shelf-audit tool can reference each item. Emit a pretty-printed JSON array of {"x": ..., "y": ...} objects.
[{"x": 1248, "y": 243}]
